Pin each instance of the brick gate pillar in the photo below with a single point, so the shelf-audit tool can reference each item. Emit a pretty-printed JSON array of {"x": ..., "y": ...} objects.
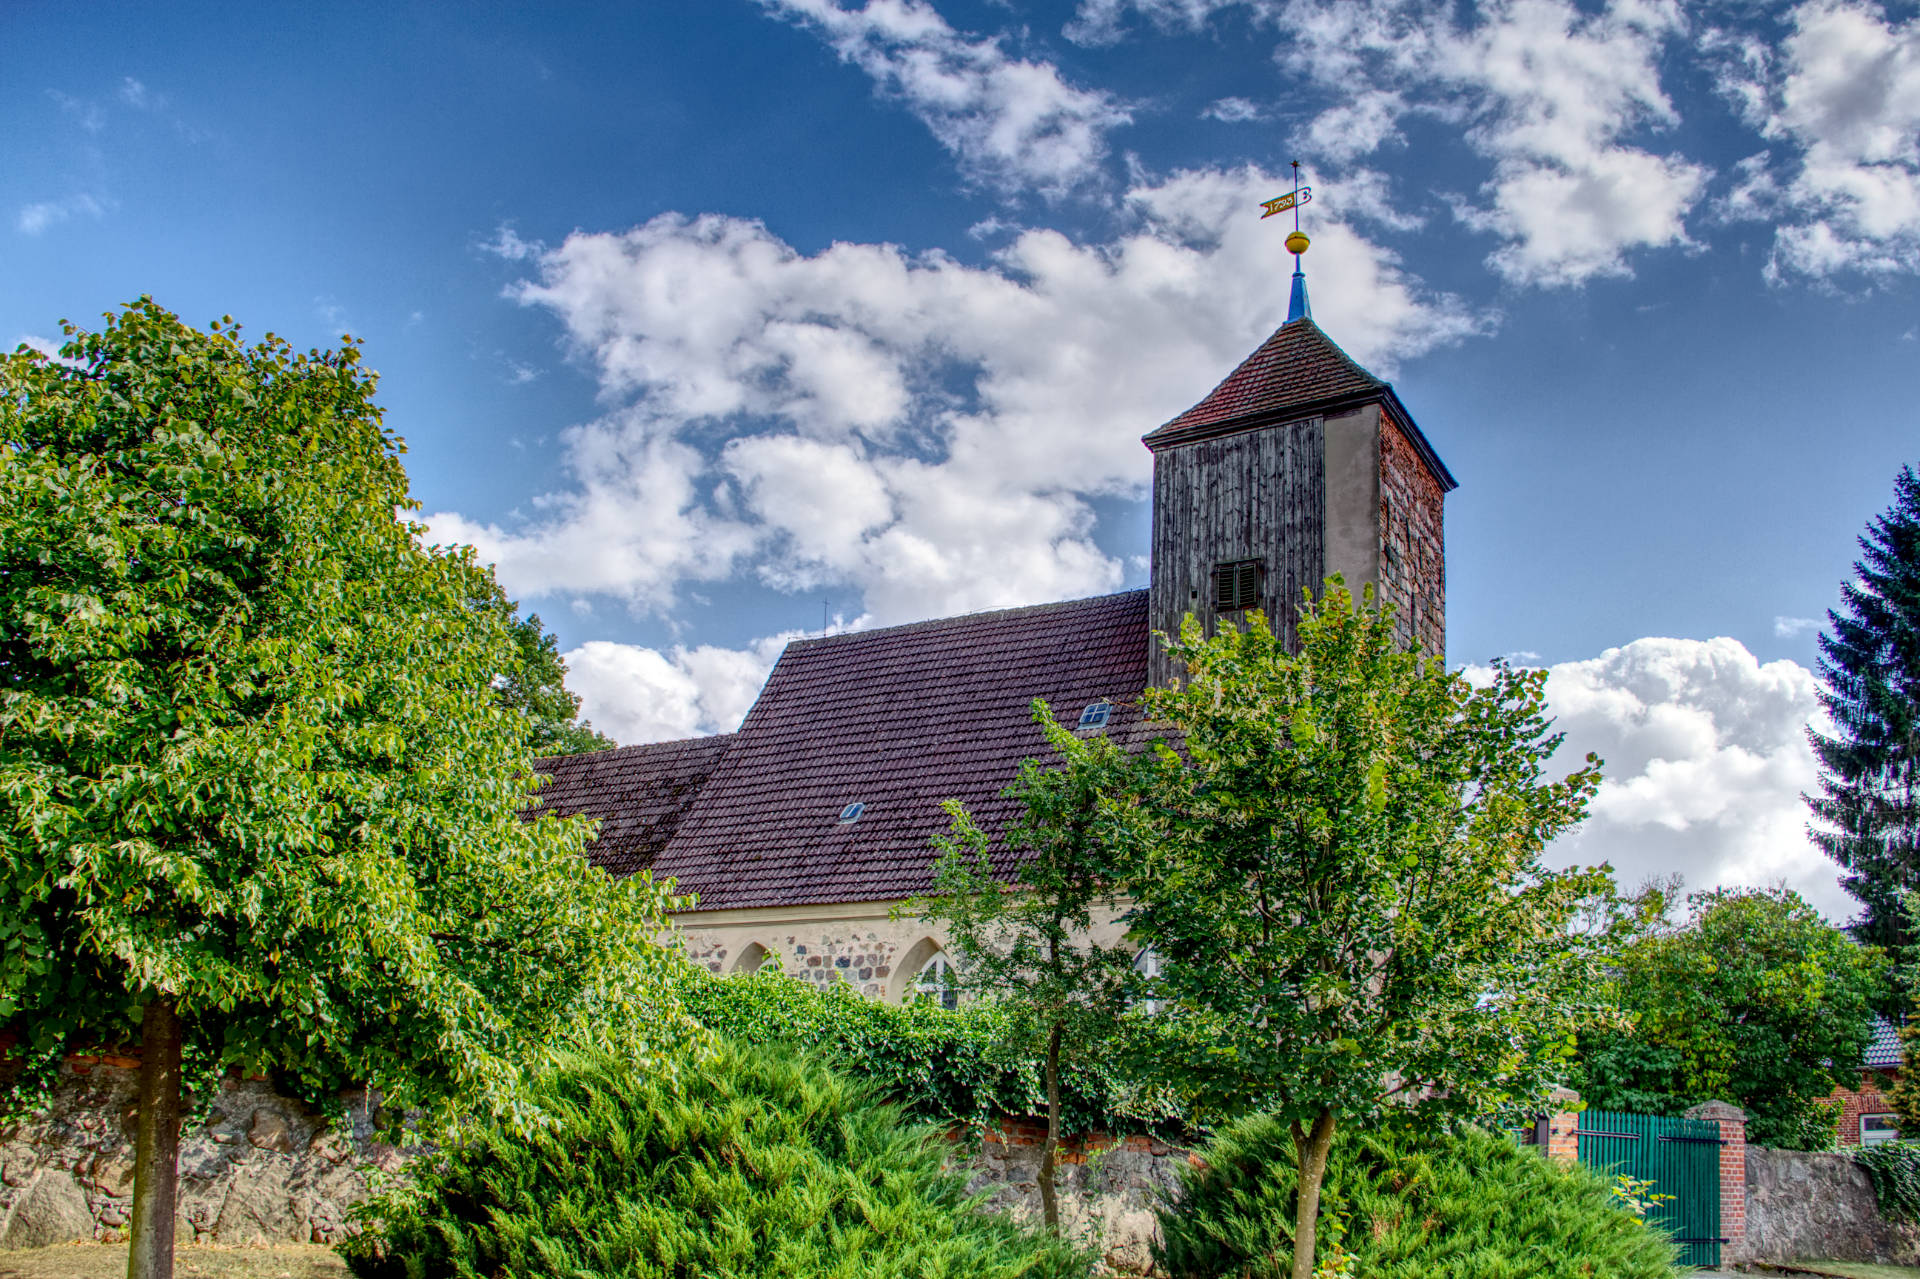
[
  {"x": 1562, "y": 1144},
  {"x": 1733, "y": 1167}
]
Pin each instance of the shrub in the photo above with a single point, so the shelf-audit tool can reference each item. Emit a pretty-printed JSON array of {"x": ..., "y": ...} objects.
[
  {"x": 943, "y": 1065},
  {"x": 753, "y": 1162},
  {"x": 1464, "y": 1205},
  {"x": 1894, "y": 1170}
]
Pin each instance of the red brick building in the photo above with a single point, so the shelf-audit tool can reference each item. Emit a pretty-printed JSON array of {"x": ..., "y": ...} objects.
[{"x": 1866, "y": 1118}]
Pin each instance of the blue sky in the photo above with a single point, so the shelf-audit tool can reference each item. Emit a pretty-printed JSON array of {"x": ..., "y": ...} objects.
[{"x": 707, "y": 322}]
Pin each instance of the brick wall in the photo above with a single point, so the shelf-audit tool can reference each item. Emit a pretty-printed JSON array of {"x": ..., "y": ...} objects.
[
  {"x": 1733, "y": 1169},
  {"x": 1869, "y": 1098},
  {"x": 1413, "y": 536}
]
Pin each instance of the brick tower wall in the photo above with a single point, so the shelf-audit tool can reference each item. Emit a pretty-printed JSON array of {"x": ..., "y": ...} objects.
[{"x": 1413, "y": 541}]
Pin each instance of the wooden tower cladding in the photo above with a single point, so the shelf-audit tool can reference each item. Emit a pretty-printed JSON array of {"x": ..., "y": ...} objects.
[{"x": 1298, "y": 466}]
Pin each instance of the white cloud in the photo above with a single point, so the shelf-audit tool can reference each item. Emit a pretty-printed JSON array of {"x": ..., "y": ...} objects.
[
  {"x": 1844, "y": 87},
  {"x": 1788, "y": 627},
  {"x": 1098, "y": 22},
  {"x": 35, "y": 218},
  {"x": 1706, "y": 758},
  {"x": 89, "y": 115},
  {"x": 1234, "y": 111},
  {"x": 636, "y": 695},
  {"x": 139, "y": 97},
  {"x": 923, "y": 432},
  {"x": 1012, "y": 124},
  {"x": 1548, "y": 92}
]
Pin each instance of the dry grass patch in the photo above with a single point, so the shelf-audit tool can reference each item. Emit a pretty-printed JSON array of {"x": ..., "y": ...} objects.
[{"x": 109, "y": 1261}]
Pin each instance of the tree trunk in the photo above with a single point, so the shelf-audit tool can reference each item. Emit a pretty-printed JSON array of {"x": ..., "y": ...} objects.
[
  {"x": 1311, "y": 1147},
  {"x": 1049, "y": 1200},
  {"x": 156, "y": 1158}
]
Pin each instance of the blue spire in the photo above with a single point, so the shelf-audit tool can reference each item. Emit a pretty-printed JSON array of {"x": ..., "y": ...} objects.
[{"x": 1297, "y": 306}]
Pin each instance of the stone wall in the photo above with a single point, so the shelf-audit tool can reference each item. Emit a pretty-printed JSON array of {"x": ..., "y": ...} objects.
[
  {"x": 262, "y": 1169},
  {"x": 861, "y": 944},
  {"x": 1108, "y": 1189},
  {"x": 1808, "y": 1206},
  {"x": 265, "y": 1169}
]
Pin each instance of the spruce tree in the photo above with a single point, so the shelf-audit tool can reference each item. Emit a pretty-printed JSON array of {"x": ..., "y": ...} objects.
[{"x": 1868, "y": 809}]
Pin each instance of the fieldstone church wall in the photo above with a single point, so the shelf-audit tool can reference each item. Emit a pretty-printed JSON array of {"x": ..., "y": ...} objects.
[{"x": 262, "y": 1169}]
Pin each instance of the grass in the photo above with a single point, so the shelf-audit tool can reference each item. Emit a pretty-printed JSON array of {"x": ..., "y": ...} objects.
[
  {"x": 1846, "y": 1270},
  {"x": 109, "y": 1261}
]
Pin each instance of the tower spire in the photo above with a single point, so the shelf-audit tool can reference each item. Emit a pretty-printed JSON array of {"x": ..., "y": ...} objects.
[{"x": 1298, "y": 308}]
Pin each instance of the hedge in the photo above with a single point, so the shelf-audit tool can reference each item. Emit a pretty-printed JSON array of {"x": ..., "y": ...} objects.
[{"x": 943, "y": 1065}]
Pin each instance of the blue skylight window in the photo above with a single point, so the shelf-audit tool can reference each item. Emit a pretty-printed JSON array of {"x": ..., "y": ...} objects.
[
  {"x": 851, "y": 813},
  {"x": 1095, "y": 716}
]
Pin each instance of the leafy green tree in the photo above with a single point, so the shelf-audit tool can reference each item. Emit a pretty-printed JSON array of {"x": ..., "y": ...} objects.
[
  {"x": 1756, "y": 1000},
  {"x": 533, "y": 684},
  {"x": 1342, "y": 875},
  {"x": 1025, "y": 941},
  {"x": 1869, "y": 802},
  {"x": 256, "y": 795}
]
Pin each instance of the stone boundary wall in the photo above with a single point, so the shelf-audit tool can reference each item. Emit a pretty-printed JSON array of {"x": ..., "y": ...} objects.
[
  {"x": 262, "y": 1169},
  {"x": 1108, "y": 1187},
  {"x": 265, "y": 1169},
  {"x": 1804, "y": 1206}
]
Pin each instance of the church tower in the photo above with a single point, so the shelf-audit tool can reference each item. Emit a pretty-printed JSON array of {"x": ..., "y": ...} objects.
[{"x": 1299, "y": 465}]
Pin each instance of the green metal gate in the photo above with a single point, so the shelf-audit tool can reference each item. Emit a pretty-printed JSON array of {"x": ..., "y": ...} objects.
[{"x": 1681, "y": 1157}]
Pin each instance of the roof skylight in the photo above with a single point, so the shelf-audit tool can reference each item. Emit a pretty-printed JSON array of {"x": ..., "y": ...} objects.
[
  {"x": 851, "y": 813},
  {"x": 1095, "y": 716}
]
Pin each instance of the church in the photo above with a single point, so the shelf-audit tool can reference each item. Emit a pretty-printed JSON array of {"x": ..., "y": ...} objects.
[{"x": 799, "y": 834}]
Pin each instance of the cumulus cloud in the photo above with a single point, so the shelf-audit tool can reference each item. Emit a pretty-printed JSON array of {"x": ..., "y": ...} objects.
[
  {"x": 1844, "y": 89},
  {"x": 1012, "y": 124},
  {"x": 1547, "y": 91},
  {"x": 925, "y": 432},
  {"x": 1706, "y": 758},
  {"x": 636, "y": 695}
]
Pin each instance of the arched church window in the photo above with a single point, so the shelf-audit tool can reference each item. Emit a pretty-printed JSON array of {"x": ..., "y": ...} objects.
[
  {"x": 935, "y": 981},
  {"x": 1147, "y": 964}
]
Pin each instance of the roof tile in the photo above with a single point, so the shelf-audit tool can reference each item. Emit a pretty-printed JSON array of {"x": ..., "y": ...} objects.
[
  {"x": 899, "y": 719},
  {"x": 1298, "y": 366}
]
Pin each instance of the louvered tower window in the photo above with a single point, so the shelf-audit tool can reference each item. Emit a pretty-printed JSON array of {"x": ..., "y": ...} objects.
[{"x": 1236, "y": 584}]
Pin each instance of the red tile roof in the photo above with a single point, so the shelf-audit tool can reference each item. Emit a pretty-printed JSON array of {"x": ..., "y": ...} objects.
[
  {"x": 639, "y": 794},
  {"x": 1298, "y": 366},
  {"x": 897, "y": 719},
  {"x": 1299, "y": 372}
]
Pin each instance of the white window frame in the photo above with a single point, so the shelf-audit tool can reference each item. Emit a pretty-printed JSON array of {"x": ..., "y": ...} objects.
[
  {"x": 935, "y": 981},
  {"x": 1884, "y": 1136},
  {"x": 1148, "y": 964}
]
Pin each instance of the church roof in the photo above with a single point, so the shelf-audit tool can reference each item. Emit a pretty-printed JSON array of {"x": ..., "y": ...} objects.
[
  {"x": 639, "y": 794},
  {"x": 897, "y": 720},
  {"x": 1298, "y": 372}
]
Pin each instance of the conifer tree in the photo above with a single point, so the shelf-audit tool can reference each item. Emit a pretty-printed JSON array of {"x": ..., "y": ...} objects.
[{"x": 1868, "y": 809}]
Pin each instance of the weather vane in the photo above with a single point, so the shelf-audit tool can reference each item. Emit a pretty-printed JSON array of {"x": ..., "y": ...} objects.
[
  {"x": 1291, "y": 200},
  {"x": 1297, "y": 307}
]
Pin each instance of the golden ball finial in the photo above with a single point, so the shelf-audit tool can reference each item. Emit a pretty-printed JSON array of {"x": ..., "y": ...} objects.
[{"x": 1297, "y": 243}]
